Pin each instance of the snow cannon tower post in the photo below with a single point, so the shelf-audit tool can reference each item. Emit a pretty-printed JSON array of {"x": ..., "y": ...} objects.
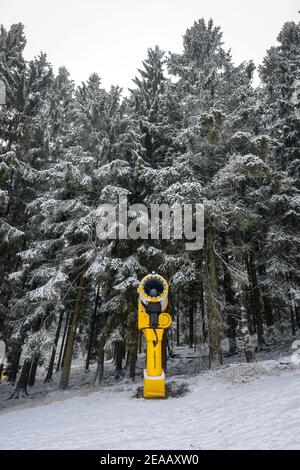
[{"x": 153, "y": 320}]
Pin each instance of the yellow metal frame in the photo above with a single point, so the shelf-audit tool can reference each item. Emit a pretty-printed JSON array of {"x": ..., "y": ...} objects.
[{"x": 154, "y": 376}]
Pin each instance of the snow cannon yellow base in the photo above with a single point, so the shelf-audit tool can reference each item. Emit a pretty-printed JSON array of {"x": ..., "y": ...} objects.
[{"x": 153, "y": 320}]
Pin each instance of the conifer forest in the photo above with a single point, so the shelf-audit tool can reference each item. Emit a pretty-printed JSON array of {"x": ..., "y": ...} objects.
[{"x": 194, "y": 128}]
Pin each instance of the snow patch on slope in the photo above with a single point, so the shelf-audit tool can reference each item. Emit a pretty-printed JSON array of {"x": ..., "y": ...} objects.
[{"x": 220, "y": 412}]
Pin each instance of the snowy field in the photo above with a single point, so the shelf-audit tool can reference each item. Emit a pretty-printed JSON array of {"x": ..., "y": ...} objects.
[{"x": 242, "y": 406}]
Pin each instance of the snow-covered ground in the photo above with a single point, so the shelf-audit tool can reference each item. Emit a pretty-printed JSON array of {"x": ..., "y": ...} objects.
[{"x": 242, "y": 406}]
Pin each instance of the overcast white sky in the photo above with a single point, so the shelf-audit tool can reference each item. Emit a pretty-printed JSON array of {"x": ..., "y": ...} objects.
[{"x": 111, "y": 37}]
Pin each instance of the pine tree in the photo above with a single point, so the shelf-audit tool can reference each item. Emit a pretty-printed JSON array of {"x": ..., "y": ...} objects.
[{"x": 280, "y": 79}]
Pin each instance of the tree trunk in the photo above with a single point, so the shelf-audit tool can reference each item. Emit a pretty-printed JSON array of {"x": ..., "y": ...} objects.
[
  {"x": 278, "y": 318},
  {"x": 127, "y": 354},
  {"x": 33, "y": 370},
  {"x": 229, "y": 299},
  {"x": 214, "y": 315},
  {"x": 64, "y": 380},
  {"x": 132, "y": 363},
  {"x": 268, "y": 313},
  {"x": 92, "y": 330},
  {"x": 293, "y": 323},
  {"x": 291, "y": 307},
  {"x": 191, "y": 323},
  {"x": 203, "y": 311},
  {"x": 67, "y": 338},
  {"x": 52, "y": 358},
  {"x": 177, "y": 326},
  {"x": 249, "y": 302},
  {"x": 13, "y": 359},
  {"x": 119, "y": 351},
  {"x": 244, "y": 328},
  {"x": 231, "y": 332},
  {"x": 100, "y": 365},
  {"x": 140, "y": 341},
  {"x": 248, "y": 348},
  {"x": 164, "y": 351},
  {"x": 23, "y": 380},
  {"x": 133, "y": 347},
  {"x": 297, "y": 311},
  {"x": 62, "y": 346},
  {"x": 256, "y": 301}
]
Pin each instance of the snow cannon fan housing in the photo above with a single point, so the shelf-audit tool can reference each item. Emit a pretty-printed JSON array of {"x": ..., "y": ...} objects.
[{"x": 153, "y": 296}]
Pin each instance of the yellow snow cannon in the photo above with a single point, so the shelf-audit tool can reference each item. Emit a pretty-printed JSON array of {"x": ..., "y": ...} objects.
[{"x": 153, "y": 320}]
